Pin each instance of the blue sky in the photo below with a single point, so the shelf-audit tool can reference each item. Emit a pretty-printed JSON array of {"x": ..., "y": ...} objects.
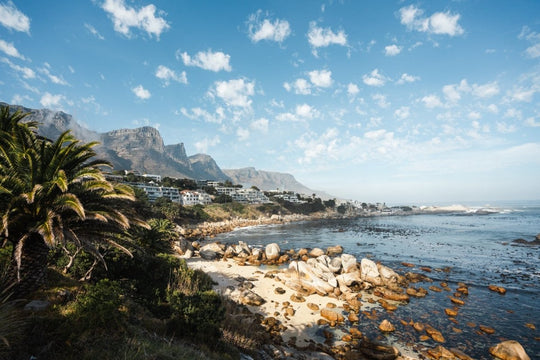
[{"x": 396, "y": 101}]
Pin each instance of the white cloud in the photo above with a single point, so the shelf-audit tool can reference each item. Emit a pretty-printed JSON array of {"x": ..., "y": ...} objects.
[
  {"x": 93, "y": 31},
  {"x": 198, "y": 113},
  {"x": 18, "y": 99},
  {"x": 166, "y": 74},
  {"x": 321, "y": 78},
  {"x": 234, "y": 92},
  {"x": 213, "y": 61},
  {"x": 9, "y": 49},
  {"x": 51, "y": 101},
  {"x": 505, "y": 128},
  {"x": 300, "y": 86},
  {"x": 55, "y": 79},
  {"x": 302, "y": 112},
  {"x": 141, "y": 92},
  {"x": 392, "y": 50},
  {"x": 513, "y": 113},
  {"x": 451, "y": 93},
  {"x": 406, "y": 78},
  {"x": 474, "y": 115},
  {"x": 402, "y": 113},
  {"x": 486, "y": 90},
  {"x": 431, "y": 101},
  {"x": 380, "y": 99},
  {"x": 266, "y": 29},
  {"x": 352, "y": 89},
  {"x": 522, "y": 94},
  {"x": 26, "y": 72},
  {"x": 532, "y": 122},
  {"x": 438, "y": 23},
  {"x": 13, "y": 19},
  {"x": 532, "y": 51},
  {"x": 125, "y": 17},
  {"x": 374, "y": 78},
  {"x": 325, "y": 146},
  {"x": 492, "y": 108},
  {"x": 306, "y": 111},
  {"x": 260, "y": 125},
  {"x": 203, "y": 145},
  {"x": 242, "y": 133},
  {"x": 323, "y": 37}
]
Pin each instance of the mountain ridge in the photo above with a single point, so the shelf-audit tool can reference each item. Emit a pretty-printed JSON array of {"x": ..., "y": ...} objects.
[{"x": 143, "y": 149}]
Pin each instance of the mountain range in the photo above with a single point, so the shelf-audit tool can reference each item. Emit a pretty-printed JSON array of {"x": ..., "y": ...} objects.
[{"x": 142, "y": 149}]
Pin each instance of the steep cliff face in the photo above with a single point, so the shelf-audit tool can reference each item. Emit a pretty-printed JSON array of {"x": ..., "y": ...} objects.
[
  {"x": 142, "y": 149},
  {"x": 178, "y": 153},
  {"x": 204, "y": 167}
]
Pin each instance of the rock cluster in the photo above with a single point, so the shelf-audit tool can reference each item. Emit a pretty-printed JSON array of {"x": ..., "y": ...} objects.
[{"x": 339, "y": 275}]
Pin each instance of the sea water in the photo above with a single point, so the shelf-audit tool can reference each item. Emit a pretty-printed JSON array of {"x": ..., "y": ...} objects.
[{"x": 475, "y": 247}]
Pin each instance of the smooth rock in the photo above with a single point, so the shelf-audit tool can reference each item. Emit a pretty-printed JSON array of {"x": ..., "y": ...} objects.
[
  {"x": 246, "y": 297},
  {"x": 272, "y": 251},
  {"x": 369, "y": 272},
  {"x": 211, "y": 251},
  {"x": 487, "y": 329},
  {"x": 335, "y": 265},
  {"x": 334, "y": 250},
  {"x": 509, "y": 350},
  {"x": 498, "y": 289},
  {"x": 316, "y": 252},
  {"x": 386, "y": 326},
  {"x": 349, "y": 263},
  {"x": 389, "y": 276},
  {"x": 331, "y": 315}
]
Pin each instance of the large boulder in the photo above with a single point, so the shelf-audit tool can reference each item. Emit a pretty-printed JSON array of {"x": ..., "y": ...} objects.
[
  {"x": 212, "y": 251},
  {"x": 335, "y": 265},
  {"x": 348, "y": 279},
  {"x": 272, "y": 251},
  {"x": 316, "y": 252},
  {"x": 245, "y": 297},
  {"x": 349, "y": 263},
  {"x": 509, "y": 350},
  {"x": 334, "y": 250},
  {"x": 389, "y": 277},
  {"x": 302, "y": 276},
  {"x": 370, "y": 272}
]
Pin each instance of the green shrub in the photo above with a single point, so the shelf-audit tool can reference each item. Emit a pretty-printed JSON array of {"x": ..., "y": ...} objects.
[
  {"x": 189, "y": 281},
  {"x": 200, "y": 314},
  {"x": 99, "y": 306}
]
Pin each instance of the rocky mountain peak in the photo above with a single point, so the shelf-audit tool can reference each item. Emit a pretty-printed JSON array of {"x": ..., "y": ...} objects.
[{"x": 129, "y": 140}]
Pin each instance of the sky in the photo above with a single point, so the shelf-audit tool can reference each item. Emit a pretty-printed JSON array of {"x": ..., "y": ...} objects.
[{"x": 380, "y": 101}]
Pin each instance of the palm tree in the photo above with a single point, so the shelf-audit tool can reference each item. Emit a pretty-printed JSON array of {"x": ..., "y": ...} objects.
[{"x": 54, "y": 192}]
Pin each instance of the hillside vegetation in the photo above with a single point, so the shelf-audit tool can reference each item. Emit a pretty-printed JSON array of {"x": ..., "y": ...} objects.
[{"x": 98, "y": 258}]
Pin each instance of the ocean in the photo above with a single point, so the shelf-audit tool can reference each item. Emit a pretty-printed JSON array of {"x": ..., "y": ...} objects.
[{"x": 475, "y": 247}]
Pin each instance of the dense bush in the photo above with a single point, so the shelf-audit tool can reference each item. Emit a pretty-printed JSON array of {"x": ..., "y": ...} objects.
[
  {"x": 99, "y": 306},
  {"x": 200, "y": 314}
]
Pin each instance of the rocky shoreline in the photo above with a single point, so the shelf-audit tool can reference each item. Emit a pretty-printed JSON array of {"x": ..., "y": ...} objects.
[
  {"x": 312, "y": 301},
  {"x": 211, "y": 229}
]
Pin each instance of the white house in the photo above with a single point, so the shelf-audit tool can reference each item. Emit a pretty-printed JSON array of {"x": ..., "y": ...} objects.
[
  {"x": 188, "y": 197},
  {"x": 154, "y": 192}
]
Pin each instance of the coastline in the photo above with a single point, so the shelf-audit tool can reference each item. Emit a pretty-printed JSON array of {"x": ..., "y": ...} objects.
[
  {"x": 209, "y": 229},
  {"x": 302, "y": 328}
]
